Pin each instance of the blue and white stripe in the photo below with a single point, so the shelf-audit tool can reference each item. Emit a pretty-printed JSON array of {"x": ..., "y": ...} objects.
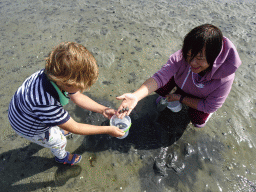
[{"x": 35, "y": 106}]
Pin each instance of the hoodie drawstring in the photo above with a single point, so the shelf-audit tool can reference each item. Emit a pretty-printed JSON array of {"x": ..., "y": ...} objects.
[{"x": 186, "y": 78}]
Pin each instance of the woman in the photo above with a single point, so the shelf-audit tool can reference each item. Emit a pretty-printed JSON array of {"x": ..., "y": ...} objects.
[{"x": 203, "y": 72}]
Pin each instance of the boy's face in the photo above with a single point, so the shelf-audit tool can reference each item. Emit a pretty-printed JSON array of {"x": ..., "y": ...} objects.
[{"x": 66, "y": 88}]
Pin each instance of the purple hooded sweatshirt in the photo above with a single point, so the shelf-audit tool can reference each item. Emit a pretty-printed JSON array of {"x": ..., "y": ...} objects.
[{"x": 214, "y": 87}]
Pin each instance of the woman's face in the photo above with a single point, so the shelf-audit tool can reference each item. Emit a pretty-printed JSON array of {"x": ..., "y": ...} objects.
[{"x": 199, "y": 62}]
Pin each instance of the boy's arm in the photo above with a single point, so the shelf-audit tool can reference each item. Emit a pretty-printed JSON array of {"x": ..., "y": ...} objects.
[
  {"x": 86, "y": 129},
  {"x": 85, "y": 102}
]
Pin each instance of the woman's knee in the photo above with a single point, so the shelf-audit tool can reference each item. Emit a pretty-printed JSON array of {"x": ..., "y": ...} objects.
[
  {"x": 199, "y": 125},
  {"x": 199, "y": 118}
]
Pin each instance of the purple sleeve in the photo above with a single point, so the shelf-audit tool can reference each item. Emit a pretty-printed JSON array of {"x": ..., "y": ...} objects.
[
  {"x": 168, "y": 70},
  {"x": 216, "y": 98}
]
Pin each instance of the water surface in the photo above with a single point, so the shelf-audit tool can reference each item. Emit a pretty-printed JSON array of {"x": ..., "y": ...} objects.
[{"x": 131, "y": 40}]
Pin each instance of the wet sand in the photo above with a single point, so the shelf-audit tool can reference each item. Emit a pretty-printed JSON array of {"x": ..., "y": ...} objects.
[{"x": 130, "y": 40}]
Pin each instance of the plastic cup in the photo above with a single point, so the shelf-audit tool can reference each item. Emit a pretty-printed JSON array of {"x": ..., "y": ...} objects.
[
  {"x": 162, "y": 104},
  {"x": 174, "y": 106},
  {"x": 123, "y": 124}
]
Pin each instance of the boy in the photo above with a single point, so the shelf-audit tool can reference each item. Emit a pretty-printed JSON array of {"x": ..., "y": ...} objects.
[{"x": 36, "y": 110}]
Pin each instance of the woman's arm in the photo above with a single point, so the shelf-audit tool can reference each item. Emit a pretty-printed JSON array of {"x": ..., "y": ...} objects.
[
  {"x": 130, "y": 100},
  {"x": 189, "y": 101},
  {"x": 149, "y": 86},
  {"x": 211, "y": 103}
]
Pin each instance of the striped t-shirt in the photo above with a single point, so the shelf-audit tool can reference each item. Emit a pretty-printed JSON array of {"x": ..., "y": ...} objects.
[{"x": 35, "y": 107}]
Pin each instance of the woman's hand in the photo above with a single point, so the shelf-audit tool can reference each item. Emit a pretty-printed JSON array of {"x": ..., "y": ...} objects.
[
  {"x": 128, "y": 104},
  {"x": 115, "y": 131},
  {"x": 189, "y": 101},
  {"x": 172, "y": 97},
  {"x": 108, "y": 112}
]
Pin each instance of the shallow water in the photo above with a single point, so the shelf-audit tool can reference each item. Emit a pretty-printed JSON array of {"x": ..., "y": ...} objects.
[{"x": 131, "y": 40}]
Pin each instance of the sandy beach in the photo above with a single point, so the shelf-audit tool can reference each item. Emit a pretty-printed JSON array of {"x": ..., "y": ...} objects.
[{"x": 130, "y": 40}]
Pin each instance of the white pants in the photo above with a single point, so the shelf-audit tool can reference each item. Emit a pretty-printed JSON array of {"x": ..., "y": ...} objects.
[{"x": 56, "y": 141}]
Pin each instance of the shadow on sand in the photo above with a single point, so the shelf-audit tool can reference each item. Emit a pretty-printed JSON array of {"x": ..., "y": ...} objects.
[
  {"x": 150, "y": 131},
  {"x": 20, "y": 164}
]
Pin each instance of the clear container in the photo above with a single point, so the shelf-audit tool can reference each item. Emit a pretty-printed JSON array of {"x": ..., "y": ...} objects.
[
  {"x": 162, "y": 104},
  {"x": 123, "y": 124},
  {"x": 174, "y": 106}
]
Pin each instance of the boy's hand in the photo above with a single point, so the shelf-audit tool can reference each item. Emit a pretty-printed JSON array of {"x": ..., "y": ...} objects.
[
  {"x": 115, "y": 131},
  {"x": 128, "y": 104},
  {"x": 108, "y": 113}
]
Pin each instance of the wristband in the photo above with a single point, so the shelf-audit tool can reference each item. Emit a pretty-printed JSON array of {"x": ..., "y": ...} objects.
[{"x": 181, "y": 98}]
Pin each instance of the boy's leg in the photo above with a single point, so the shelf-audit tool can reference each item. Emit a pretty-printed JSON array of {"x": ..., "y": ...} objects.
[
  {"x": 198, "y": 118},
  {"x": 55, "y": 141}
]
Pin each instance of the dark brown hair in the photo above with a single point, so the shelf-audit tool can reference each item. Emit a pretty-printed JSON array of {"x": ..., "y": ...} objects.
[{"x": 207, "y": 36}]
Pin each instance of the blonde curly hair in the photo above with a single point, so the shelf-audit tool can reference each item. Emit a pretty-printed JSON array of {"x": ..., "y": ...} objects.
[{"x": 73, "y": 65}]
